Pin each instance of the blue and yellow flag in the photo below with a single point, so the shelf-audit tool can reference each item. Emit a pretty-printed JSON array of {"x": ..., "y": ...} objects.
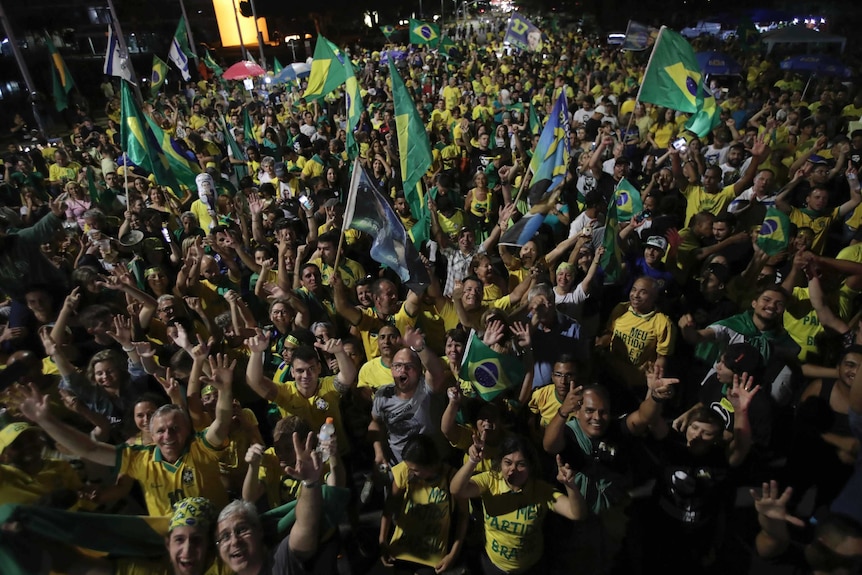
[
  {"x": 160, "y": 70},
  {"x": 329, "y": 70},
  {"x": 708, "y": 114},
  {"x": 673, "y": 75},
  {"x": 629, "y": 202},
  {"x": 612, "y": 260},
  {"x": 489, "y": 372},
  {"x": 388, "y": 30},
  {"x": 184, "y": 170},
  {"x": 423, "y": 32},
  {"x": 774, "y": 234},
  {"x": 552, "y": 153}
]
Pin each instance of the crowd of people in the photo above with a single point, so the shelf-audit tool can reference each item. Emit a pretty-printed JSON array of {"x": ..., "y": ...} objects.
[{"x": 215, "y": 353}]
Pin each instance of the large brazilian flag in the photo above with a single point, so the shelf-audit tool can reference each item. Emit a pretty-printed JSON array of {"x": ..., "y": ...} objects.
[{"x": 489, "y": 372}]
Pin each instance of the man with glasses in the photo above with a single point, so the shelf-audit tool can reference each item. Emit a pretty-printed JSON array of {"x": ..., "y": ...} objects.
[
  {"x": 403, "y": 407},
  {"x": 239, "y": 534},
  {"x": 547, "y": 400}
]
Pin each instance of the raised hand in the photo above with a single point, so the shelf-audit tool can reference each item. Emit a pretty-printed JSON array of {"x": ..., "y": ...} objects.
[
  {"x": 259, "y": 342},
  {"x": 254, "y": 455},
  {"x": 774, "y": 506},
  {"x": 122, "y": 332},
  {"x": 565, "y": 474},
  {"x": 308, "y": 465},
  {"x": 144, "y": 348},
  {"x": 660, "y": 387},
  {"x": 742, "y": 392},
  {"x": 34, "y": 405},
  {"x": 413, "y": 338},
  {"x": 169, "y": 383},
  {"x": 202, "y": 350},
  {"x": 221, "y": 371},
  {"x": 73, "y": 299},
  {"x": 521, "y": 331},
  {"x": 494, "y": 332},
  {"x": 331, "y": 346},
  {"x": 573, "y": 400}
]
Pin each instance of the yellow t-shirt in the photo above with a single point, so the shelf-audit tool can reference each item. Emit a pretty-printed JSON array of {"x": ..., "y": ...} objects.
[
  {"x": 18, "y": 487},
  {"x": 280, "y": 488},
  {"x": 195, "y": 474},
  {"x": 513, "y": 520},
  {"x": 801, "y": 323},
  {"x": 373, "y": 374},
  {"x": 423, "y": 519},
  {"x": 545, "y": 403},
  {"x": 350, "y": 271},
  {"x": 369, "y": 325},
  {"x": 640, "y": 338},
  {"x": 315, "y": 409},
  {"x": 818, "y": 224},
  {"x": 699, "y": 200}
]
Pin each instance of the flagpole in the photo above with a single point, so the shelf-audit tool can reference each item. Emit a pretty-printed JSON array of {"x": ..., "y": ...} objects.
[
  {"x": 523, "y": 184},
  {"x": 22, "y": 67},
  {"x": 189, "y": 33},
  {"x": 124, "y": 50},
  {"x": 649, "y": 62},
  {"x": 344, "y": 220}
]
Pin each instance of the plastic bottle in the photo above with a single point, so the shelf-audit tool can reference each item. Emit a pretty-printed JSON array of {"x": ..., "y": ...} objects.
[{"x": 327, "y": 430}]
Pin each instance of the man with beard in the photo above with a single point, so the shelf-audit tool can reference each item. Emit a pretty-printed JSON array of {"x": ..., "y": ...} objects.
[
  {"x": 735, "y": 164},
  {"x": 751, "y": 205},
  {"x": 403, "y": 407}
]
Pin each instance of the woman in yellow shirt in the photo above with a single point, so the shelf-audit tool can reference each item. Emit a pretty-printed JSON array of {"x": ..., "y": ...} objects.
[
  {"x": 664, "y": 129},
  {"x": 515, "y": 504}
]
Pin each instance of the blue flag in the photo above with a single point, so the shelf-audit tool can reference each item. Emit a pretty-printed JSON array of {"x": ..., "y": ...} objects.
[
  {"x": 639, "y": 36},
  {"x": 523, "y": 34},
  {"x": 552, "y": 154},
  {"x": 368, "y": 211}
]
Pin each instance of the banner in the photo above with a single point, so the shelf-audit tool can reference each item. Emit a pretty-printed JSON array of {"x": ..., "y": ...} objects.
[
  {"x": 523, "y": 34},
  {"x": 639, "y": 36}
]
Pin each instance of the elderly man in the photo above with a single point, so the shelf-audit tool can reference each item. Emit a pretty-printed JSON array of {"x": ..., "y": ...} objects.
[{"x": 180, "y": 464}]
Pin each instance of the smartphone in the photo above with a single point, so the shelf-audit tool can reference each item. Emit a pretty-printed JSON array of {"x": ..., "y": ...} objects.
[
  {"x": 166, "y": 234},
  {"x": 306, "y": 202},
  {"x": 680, "y": 145}
]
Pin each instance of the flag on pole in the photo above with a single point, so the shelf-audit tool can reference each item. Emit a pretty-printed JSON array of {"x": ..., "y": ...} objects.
[
  {"x": 276, "y": 66},
  {"x": 551, "y": 157},
  {"x": 248, "y": 127},
  {"x": 160, "y": 70},
  {"x": 522, "y": 231},
  {"x": 184, "y": 170},
  {"x": 414, "y": 150},
  {"x": 178, "y": 53},
  {"x": 639, "y": 36},
  {"x": 708, "y": 114},
  {"x": 672, "y": 75},
  {"x": 241, "y": 171},
  {"x": 211, "y": 64},
  {"x": 423, "y": 32},
  {"x": 138, "y": 142},
  {"x": 611, "y": 261},
  {"x": 61, "y": 78},
  {"x": 774, "y": 233},
  {"x": 368, "y": 211},
  {"x": 388, "y": 30},
  {"x": 115, "y": 63},
  {"x": 353, "y": 103},
  {"x": 448, "y": 48},
  {"x": 489, "y": 372},
  {"x": 535, "y": 123},
  {"x": 523, "y": 33},
  {"x": 329, "y": 70},
  {"x": 628, "y": 200}
]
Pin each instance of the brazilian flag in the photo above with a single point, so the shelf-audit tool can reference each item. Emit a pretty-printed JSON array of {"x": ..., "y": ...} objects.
[
  {"x": 388, "y": 30},
  {"x": 160, "y": 70},
  {"x": 628, "y": 200},
  {"x": 276, "y": 66},
  {"x": 448, "y": 48},
  {"x": 423, "y": 32},
  {"x": 672, "y": 77},
  {"x": 489, "y": 372},
  {"x": 611, "y": 261},
  {"x": 211, "y": 64},
  {"x": 535, "y": 122},
  {"x": 774, "y": 234},
  {"x": 329, "y": 70},
  {"x": 184, "y": 170},
  {"x": 62, "y": 79}
]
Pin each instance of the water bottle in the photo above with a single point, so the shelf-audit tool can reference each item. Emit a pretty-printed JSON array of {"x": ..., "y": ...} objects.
[{"x": 327, "y": 430}]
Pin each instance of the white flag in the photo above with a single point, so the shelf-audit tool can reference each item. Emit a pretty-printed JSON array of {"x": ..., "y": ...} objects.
[
  {"x": 115, "y": 64},
  {"x": 179, "y": 59}
]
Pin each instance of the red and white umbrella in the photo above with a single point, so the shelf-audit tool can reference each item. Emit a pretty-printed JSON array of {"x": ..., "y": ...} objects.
[{"x": 242, "y": 70}]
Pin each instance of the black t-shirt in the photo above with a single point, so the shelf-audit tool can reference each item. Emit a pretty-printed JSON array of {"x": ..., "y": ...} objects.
[{"x": 712, "y": 395}]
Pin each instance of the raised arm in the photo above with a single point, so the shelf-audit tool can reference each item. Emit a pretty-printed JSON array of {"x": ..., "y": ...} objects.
[
  {"x": 305, "y": 533},
  {"x": 855, "y": 197},
  {"x": 222, "y": 379},
  {"x": 262, "y": 385},
  {"x": 771, "y": 505},
  {"x": 782, "y": 201},
  {"x": 659, "y": 390},
  {"x": 554, "y": 440},
  {"x": 343, "y": 306},
  {"x": 435, "y": 375},
  {"x": 691, "y": 334},
  {"x": 346, "y": 377},
  {"x": 741, "y": 394}
]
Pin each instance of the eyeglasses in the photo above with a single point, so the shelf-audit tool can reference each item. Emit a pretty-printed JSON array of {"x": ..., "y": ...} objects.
[
  {"x": 404, "y": 366},
  {"x": 167, "y": 309},
  {"x": 239, "y": 532},
  {"x": 561, "y": 375}
]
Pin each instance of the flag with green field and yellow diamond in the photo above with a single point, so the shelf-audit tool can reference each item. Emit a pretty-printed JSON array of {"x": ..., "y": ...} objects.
[
  {"x": 388, "y": 30},
  {"x": 211, "y": 64},
  {"x": 673, "y": 75},
  {"x": 329, "y": 70},
  {"x": 774, "y": 235},
  {"x": 60, "y": 76},
  {"x": 160, "y": 70},
  {"x": 490, "y": 373},
  {"x": 353, "y": 102},
  {"x": 139, "y": 143},
  {"x": 414, "y": 150},
  {"x": 612, "y": 259},
  {"x": 423, "y": 32},
  {"x": 629, "y": 202}
]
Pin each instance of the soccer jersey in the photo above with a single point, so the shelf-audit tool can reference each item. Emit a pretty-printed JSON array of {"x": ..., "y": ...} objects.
[
  {"x": 819, "y": 224},
  {"x": 374, "y": 374},
  {"x": 545, "y": 403},
  {"x": 19, "y": 487},
  {"x": 513, "y": 520},
  {"x": 195, "y": 474},
  {"x": 699, "y": 200},
  {"x": 370, "y": 324},
  {"x": 640, "y": 337},
  {"x": 280, "y": 488},
  {"x": 315, "y": 409}
]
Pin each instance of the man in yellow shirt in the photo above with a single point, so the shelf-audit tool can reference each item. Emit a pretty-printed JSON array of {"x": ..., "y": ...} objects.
[
  {"x": 451, "y": 94},
  {"x": 350, "y": 271},
  {"x": 180, "y": 464},
  {"x": 548, "y": 399}
]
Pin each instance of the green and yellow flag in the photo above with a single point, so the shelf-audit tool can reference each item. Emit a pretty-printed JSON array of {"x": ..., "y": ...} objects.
[
  {"x": 61, "y": 78},
  {"x": 708, "y": 114},
  {"x": 388, "y": 30},
  {"x": 611, "y": 261},
  {"x": 423, "y": 32},
  {"x": 276, "y": 66},
  {"x": 211, "y": 64},
  {"x": 673, "y": 75},
  {"x": 139, "y": 143},
  {"x": 414, "y": 150},
  {"x": 248, "y": 127},
  {"x": 329, "y": 70},
  {"x": 160, "y": 70},
  {"x": 628, "y": 199},
  {"x": 184, "y": 170},
  {"x": 774, "y": 234},
  {"x": 489, "y": 372}
]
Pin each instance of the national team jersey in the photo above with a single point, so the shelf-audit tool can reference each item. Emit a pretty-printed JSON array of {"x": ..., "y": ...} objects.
[
  {"x": 819, "y": 224},
  {"x": 18, "y": 487},
  {"x": 640, "y": 337},
  {"x": 315, "y": 409},
  {"x": 545, "y": 403},
  {"x": 699, "y": 200},
  {"x": 370, "y": 324},
  {"x": 374, "y": 374},
  {"x": 195, "y": 474}
]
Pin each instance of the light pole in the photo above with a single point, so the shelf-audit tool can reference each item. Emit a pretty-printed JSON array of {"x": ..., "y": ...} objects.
[
  {"x": 22, "y": 66},
  {"x": 259, "y": 35},
  {"x": 242, "y": 51}
]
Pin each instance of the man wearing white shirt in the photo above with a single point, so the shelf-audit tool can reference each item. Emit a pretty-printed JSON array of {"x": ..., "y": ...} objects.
[{"x": 751, "y": 205}]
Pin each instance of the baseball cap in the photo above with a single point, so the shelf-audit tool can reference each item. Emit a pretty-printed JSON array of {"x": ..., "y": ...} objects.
[
  {"x": 815, "y": 159},
  {"x": 11, "y": 432},
  {"x": 280, "y": 169},
  {"x": 741, "y": 358},
  {"x": 657, "y": 242}
]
